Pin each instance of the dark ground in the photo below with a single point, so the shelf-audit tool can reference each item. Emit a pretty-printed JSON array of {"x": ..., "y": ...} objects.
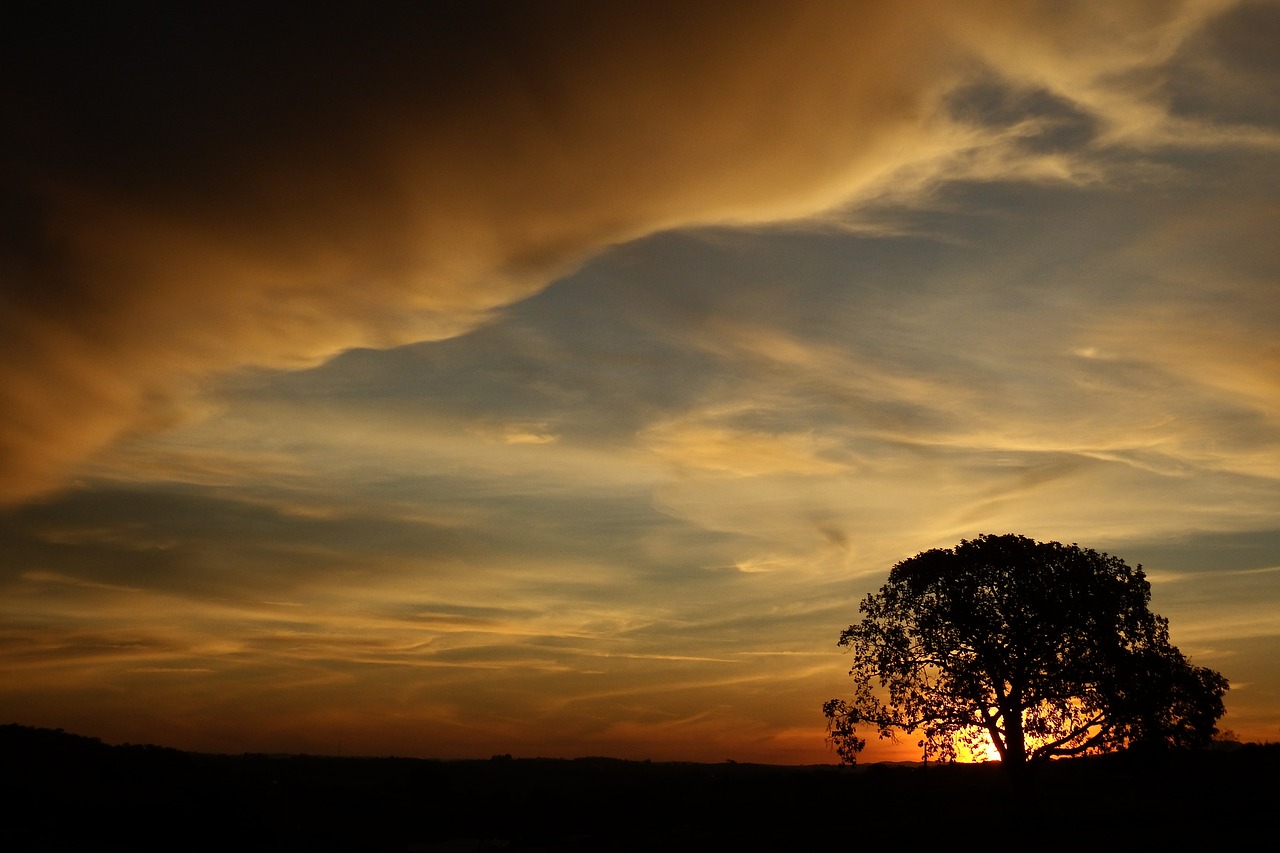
[{"x": 64, "y": 792}]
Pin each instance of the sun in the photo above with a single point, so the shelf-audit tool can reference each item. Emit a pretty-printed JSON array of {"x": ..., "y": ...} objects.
[{"x": 975, "y": 747}]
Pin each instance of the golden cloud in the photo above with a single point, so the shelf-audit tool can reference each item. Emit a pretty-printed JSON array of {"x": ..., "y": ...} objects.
[{"x": 273, "y": 191}]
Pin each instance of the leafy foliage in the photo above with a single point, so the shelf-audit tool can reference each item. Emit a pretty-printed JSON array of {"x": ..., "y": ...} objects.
[{"x": 1044, "y": 649}]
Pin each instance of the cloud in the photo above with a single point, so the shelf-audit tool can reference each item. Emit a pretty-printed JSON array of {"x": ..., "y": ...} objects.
[
  {"x": 1216, "y": 73},
  {"x": 607, "y": 352},
  {"x": 190, "y": 193}
]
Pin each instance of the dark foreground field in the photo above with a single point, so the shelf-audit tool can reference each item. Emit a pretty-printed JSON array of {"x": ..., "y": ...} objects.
[{"x": 63, "y": 792}]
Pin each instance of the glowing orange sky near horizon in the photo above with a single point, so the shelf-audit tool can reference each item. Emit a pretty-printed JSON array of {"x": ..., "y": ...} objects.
[{"x": 554, "y": 379}]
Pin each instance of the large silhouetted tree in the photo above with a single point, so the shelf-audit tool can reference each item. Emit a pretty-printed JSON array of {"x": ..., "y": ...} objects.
[{"x": 1040, "y": 649}]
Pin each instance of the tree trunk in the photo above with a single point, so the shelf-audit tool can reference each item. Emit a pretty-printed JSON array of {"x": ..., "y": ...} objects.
[{"x": 1015, "y": 753}]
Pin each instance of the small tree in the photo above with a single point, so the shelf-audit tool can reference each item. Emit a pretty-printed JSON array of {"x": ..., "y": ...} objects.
[{"x": 1040, "y": 649}]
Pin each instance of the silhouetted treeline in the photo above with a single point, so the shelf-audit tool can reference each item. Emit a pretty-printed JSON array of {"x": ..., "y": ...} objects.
[{"x": 63, "y": 791}]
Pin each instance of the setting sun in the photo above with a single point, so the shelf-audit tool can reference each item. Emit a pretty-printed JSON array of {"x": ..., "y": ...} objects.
[{"x": 970, "y": 751}]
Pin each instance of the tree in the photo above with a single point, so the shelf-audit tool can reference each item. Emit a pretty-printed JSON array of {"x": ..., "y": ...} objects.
[{"x": 1036, "y": 648}]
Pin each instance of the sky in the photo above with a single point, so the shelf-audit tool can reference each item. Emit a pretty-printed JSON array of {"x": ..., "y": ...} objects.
[{"x": 555, "y": 379}]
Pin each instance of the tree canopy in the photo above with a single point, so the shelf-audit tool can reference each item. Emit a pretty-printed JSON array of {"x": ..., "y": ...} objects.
[{"x": 1038, "y": 648}]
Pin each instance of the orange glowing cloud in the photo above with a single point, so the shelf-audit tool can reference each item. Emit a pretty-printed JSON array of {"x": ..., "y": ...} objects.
[{"x": 272, "y": 197}]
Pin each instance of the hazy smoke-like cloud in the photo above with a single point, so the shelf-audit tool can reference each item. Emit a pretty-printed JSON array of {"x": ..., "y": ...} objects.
[{"x": 195, "y": 191}]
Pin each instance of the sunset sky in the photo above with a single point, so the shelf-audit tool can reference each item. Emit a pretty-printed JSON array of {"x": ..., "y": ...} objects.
[{"x": 555, "y": 379}]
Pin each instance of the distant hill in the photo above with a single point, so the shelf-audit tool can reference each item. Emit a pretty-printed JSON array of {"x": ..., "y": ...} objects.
[{"x": 66, "y": 791}]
